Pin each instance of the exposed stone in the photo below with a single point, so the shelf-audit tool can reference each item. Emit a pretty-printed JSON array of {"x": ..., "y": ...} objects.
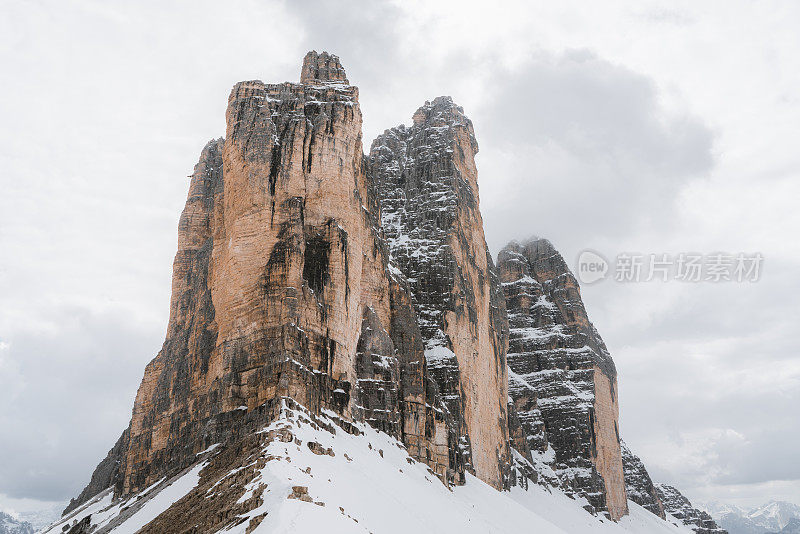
[
  {"x": 105, "y": 474},
  {"x": 517, "y": 436},
  {"x": 318, "y": 449},
  {"x": 679, "y": 507},
  {"x": 562, "y": 379},
  {"x": 312, "y": 279},
  {"x": 300, "y": 493},
  {"x": 427, "y": 183},
  {"x": 322, "y": 68},
  {"x": 638, "y": 484},
  {"x": 81, "y": 527}
]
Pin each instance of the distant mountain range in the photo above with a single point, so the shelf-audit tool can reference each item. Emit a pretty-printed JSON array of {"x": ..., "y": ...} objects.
[
  {"x": 774, "y": 517},
  {"x": 12, "y": 525},
  {"x": 29, "y": 522}
]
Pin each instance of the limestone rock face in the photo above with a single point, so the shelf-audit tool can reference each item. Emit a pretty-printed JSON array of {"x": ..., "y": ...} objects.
[
  {"x": 638, "y": 483},
  {"x": 562, "y": 379},
  {"x": 281, "y": 288},
  {"x": 321, "y": 69},
  {"x": 679, "y": 506},
  {"x": 426, "y": 180}
]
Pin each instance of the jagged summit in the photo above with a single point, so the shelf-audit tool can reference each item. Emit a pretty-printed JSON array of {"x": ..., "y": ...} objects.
[
  {"x": 322, "y": 68},
  {"x": 533, "y": 240},
  {"x": 547, "y": 265},
  {"x": 441, "y": 109}
]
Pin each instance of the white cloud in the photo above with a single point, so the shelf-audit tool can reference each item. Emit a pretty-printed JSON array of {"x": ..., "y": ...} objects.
[
  {"x": 579, "y": 150},
  {"x": 66, "y": 396}
]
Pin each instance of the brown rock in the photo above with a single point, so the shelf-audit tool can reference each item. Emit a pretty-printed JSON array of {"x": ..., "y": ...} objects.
[
  {"x": 318, "y": 449},
  {"x": 281, "y": 289},
  {"x": 300, "y": 493},
  {"x": 322, "y": 68}
]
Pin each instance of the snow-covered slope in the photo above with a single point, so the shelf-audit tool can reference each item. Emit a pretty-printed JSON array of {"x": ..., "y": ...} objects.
[{"x": 312, "y": 476}]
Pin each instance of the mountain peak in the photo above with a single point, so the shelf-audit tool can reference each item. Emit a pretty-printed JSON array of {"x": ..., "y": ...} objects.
[
  {"x": 441, "y": 106},
  {"x": 321, "y": 68}
]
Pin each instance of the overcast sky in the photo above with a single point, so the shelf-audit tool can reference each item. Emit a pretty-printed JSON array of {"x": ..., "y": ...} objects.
[{"x": 646, "y": 127}]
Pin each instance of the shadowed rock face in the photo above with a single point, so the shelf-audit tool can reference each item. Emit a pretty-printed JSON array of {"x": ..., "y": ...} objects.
[
  {"x": 281, "y": 288},
  {"x": 562, "y": 379},
  {"x": 638, "y": 483},
  {"x": 427, "y": 183},
  {"x": 679, "y": 506}
]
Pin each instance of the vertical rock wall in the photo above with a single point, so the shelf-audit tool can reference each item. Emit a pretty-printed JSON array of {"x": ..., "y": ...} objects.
[
  {"x": 282, "y": 288},
  {"x": 562, "y": 380},
  {"x": 427, "y": 184},
  {"x": 162, "y": 425}
]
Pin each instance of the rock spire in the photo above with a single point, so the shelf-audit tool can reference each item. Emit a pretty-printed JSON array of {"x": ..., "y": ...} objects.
[
  {"x": 322, "y": 68},
  {"x": 561, "y": 377},
  {"x": 426, "y": 180}
]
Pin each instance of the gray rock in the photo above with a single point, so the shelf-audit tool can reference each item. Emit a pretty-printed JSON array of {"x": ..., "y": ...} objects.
[
  {"x": 556, "y": 360},
  {"x": 681, "y": 508},
  {"x": 640, "y": 487}
]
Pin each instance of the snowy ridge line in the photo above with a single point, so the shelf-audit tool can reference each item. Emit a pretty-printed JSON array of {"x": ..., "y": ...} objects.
[
  {"x": 312, "y": 475},
  {"x": 105, "y": 514}
]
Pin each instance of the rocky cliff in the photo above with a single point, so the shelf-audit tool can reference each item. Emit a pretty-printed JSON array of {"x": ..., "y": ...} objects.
[
  {"x": 426, "y": 180},
  {"x": 638, "y": 483},
  {"x": 282, "y": 287},
  {"x": 679, "y": 507},
  {"x": 562, "y": 379}
]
